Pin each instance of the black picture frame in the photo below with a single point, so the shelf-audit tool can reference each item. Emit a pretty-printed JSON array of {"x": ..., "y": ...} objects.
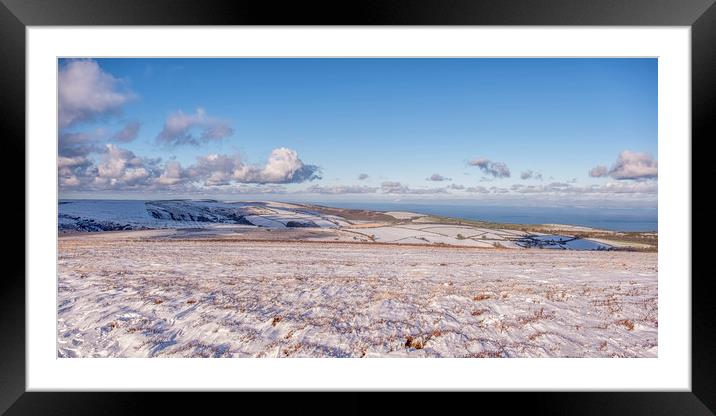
[{"x": 16, "y": 15}]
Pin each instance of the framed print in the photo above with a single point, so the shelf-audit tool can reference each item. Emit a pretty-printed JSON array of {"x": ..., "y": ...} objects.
[{"x": 232, "y": 198}]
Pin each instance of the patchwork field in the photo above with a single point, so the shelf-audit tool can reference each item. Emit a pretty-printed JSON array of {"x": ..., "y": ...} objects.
[{"x": 150, "y": 294}]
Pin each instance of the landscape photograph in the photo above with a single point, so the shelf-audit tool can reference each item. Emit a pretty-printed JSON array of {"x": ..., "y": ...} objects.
[{"x": 357, "y": 207}]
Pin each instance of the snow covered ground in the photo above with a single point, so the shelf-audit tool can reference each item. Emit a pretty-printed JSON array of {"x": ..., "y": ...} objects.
[
  {"x": 108, "y": 215},
  {"x": 441, "y": 234},
  {"x": 153, "y": 297},
  {"x": 230, "y": 219},
  {"x": 404, "y": 215}
]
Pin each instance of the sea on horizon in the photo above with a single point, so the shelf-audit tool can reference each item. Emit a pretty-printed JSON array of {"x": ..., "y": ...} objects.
[{"x": 614, "y": 219}]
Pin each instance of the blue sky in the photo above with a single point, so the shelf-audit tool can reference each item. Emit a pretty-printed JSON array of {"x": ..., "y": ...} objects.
[{"x": 586, "y": 129}]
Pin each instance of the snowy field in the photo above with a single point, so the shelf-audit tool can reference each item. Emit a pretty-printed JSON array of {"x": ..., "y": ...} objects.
[
  {"x": 441, "y": 234},
  {"x": 149, "y": 297},
  {"x": 108, "y": 215},
  {"x": 250, "y": 220}
]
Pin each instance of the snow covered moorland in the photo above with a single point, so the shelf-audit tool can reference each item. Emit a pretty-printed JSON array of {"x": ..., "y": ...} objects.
[
  {"x": 214, "y": 279},
  {"x": 253, "y": 220},
  {"x": 108, "y": 215}
]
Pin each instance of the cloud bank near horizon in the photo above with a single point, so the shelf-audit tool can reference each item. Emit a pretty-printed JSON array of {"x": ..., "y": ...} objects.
[{"x": 122, "y": 169}]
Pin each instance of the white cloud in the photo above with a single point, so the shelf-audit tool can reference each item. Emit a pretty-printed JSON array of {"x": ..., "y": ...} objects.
[
  {"x": 436, "y": 177},
  {"x": 495, "y": 169},
  {"x": 529, "y": 174},
  {"x": 214, "y": 169},
  {"x": 648, "y": 187},
  {"x": 498, "y": 190},
  {"x": 69, "y": 181},
  {"x": 347, "y": 189},
  {"x": 477, "y": 189},
  {"x": 72, "y": 144},
  {"x": 172, "y": 174},
  {"x": 629, "y": 165},
  {"x": 283, "y": 166},
  {"x": 179, "y": 128},
  {"x": 86, "y": 92},
  {"x": 121, "y": 168},
  {"x": 72, "y": 170},
  {"x": 634, "y": 165},
  {"x": 71, "y": 162},
  {"x": 389, "y": 187},
  {"x": 599, "y": 171},
  {"x": 128, "y": 133},
  {"x": 565, "y": 188}
]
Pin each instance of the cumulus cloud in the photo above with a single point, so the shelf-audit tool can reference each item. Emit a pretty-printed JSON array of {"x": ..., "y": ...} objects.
[
  {"x": 347, "y": 189},
  {"x": 529, "y": 174},
  {"x": 436, "y": 177},
  {"x": 71, "y": 162},
  {"x": 283, "y": 166},
  {"x": 172, "y": 174},
  {"x": 117, "y": 169},
  {"x": 72, "y": 144},
  {"x": 629, "y": 165},
  {"x": 180, "y": 128},
  {"x": 494, "y": 169},
  {"x": 362, "y": 176},
  {"x": 86, "y": 92},
  {"x": 634, "y": 165},
  {"x": 71, "y": 171},
  {"x": 214, "y": 169},
  {"x": 120, "y": 168},
  {"x": 456, "y": 187},
  {"x": 128, "y": 133}
]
